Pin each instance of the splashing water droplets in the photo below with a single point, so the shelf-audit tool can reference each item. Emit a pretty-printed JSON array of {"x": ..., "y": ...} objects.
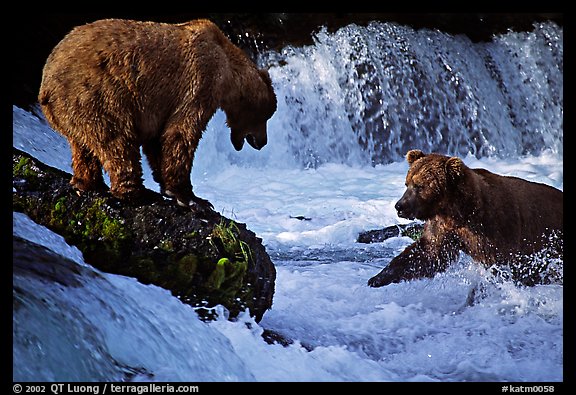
[{"x": 366, "y": 95}]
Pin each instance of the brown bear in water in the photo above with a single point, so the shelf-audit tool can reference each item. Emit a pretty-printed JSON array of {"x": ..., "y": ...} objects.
[
  {"x": 494, "y": 219},
  {"x": 113, "y": 85}
]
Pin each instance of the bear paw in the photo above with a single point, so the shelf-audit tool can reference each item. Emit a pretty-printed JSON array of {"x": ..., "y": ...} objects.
[
  {"x": 385, "y": 277},
  {"x": 138, "y": 197},
  {"x": 193, "y": 202},
  {"x": 82, "y": 185}
]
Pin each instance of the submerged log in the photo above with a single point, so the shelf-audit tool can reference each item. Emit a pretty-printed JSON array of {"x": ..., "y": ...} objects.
[{"x": 202, "y": 257}]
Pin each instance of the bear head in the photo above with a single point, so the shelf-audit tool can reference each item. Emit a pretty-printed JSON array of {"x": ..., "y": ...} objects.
[
  {"x": 430, "y": 183},
  {"x": 247, "y": 119}
]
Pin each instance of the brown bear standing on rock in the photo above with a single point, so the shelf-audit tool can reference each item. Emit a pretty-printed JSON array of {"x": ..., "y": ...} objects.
[
  {"x": 114, "y": 85},
  {"x": 497, "y": 220}
]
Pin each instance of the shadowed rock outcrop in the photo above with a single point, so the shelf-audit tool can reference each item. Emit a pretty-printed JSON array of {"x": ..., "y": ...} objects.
[{"x": 202, "y": 257}]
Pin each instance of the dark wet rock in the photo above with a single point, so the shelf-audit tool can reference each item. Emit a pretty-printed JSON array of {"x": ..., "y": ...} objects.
[
  {"x": 32, "y": 260},
  {"x": 204, "y": 258},
  {"x": 301, "y": 218},
  {"x": 413, "y": 230},
  {"x": 274, "y": 337}
]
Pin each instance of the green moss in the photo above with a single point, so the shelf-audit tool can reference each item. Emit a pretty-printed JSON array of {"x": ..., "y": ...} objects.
[
  {"x": 164, "y": 270},
  {"x": 24, "y": 168},
  {"x": 166, "y": 245},
  {"x": 188, "y": 265},
  {"x": 58, "y": 215},
  {"x": 413, "y": 231},
  {"x": 97, "y": 224},
  {"x": 143, "y": 268},
  {"x": 22, "y": 203},
  {"x": 227, "y": 281},
  {"x": 99, "y": 235},
  {"x": 218, "y": 275},
  {"x": 191, "y": 235},
  {"x": 224, "y": 237},
  {"x": 112, "y": 228}
]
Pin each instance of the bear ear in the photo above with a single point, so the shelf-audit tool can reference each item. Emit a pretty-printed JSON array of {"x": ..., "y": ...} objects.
[
  {"x": 455, "y": 167},
  {"x": 414, "y": 155}
]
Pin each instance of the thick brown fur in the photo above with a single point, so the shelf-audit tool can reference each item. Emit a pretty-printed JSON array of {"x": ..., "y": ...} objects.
[
  {"x": 112, "y": 86},
  {"x": 495, "y": 219}
]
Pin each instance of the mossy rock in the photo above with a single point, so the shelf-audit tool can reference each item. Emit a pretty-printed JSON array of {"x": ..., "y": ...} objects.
[{"x": 202, "y": 258}]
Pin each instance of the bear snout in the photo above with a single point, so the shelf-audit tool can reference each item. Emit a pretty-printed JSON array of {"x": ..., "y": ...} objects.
[
  {"x": 256, "y": 143},
  {"x": 257, "y": 137},
  {"x": 403, "y": 209},
  {"x": 237, "y": 141}
]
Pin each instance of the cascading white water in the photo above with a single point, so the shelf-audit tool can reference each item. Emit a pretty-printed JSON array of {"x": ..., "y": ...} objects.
[
  {"x": 74, "y": 323},
  {"x": 366, "y": 95}
]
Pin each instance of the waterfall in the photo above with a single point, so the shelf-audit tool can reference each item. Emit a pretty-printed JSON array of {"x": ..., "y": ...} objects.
[{"x": 365, "y": 95}]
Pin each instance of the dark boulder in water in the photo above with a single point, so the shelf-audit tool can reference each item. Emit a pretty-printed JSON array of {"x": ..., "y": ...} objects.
[
  {"x": 202, "y": 257},
  {"x": 413, "y": 230}
]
